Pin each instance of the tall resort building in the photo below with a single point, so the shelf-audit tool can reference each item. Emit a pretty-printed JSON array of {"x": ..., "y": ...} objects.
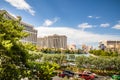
[
  {"x": 32, "y": 38},
  {"x": 53, "y": 41},
  {"x": 111, "y": 45}
]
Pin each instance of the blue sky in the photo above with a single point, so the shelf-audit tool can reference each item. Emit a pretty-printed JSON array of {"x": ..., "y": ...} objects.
[{"x": 82, "y": 21}]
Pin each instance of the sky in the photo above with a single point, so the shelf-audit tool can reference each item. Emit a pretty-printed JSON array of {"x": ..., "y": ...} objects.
[{"x": 82, "y": 21}]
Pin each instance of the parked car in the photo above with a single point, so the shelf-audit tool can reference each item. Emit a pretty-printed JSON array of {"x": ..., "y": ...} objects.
[
  {"x": 87, "y": 75},
  {"x": 66, "y": 73}
]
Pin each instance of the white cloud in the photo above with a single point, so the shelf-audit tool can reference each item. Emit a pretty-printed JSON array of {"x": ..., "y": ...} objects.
[
  {"x": 117, "y": 26},
  {"x": 75, "y": 36},
  {"x": 48, "y": 22},
  {"x": 105, "y": 25},
  {"x": 22, "y": 5},
  {"x": 90, "y": 16},
  {"x": 84, "y": 26},
  {"x": 94, "y": 17}
]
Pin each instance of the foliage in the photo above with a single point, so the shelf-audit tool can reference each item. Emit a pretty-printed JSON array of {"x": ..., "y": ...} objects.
[
  {"x": 72, "y": 56},
  {"x": 102, "y": 64},
  {"x": 17, "y": 60},
  {"x": 34, "y": 56},
  {"x": 41, "y": 66},
  {"x": 57, "y": 58},
  {"x": 13, "y": 55},
  {"x": 43, "y": 71},
  {"x": 58, "y": 51},
  {"x": 103, "y": 53},
  {"x": 30, "y": 47}
]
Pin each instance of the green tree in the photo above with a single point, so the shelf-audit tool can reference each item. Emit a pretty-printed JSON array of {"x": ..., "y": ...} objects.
[
  {"x": 42, "y": 71},
  {"x": 72, "y": 57},
  {"x": 104, "y": 53},
  {"x": 79, "y": 51},
  {"x": 13, "y": 56},
  {"x": 30, "y": 47},
  {"x": 15, "y": 61},
  {"x": 56, "y": 58},
  {"x": 34, "y": 56},
  {"x": 102, "y": 64}
]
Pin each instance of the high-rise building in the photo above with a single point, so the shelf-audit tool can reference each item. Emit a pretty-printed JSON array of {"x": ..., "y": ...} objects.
[
  {"x": 53, "y": 41},
  {"x": 111, "y": 45},
  {"x": 32, "y": 38}
]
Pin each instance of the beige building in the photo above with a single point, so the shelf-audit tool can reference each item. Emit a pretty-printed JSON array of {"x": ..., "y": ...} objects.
[
  {"x": 32, "y": 38},
  {"x": 53, "y": 41},
  {"x": 111, "y": 45},
  {"x": 71, "y": 47},
  {"x": 86, "y": 48}
]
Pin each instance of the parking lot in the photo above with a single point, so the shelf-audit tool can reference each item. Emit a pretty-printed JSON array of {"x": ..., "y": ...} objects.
[{"x": 98, "y": 78}]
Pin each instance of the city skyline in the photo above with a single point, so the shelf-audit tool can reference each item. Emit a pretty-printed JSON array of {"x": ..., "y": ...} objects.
[{"x": 82, "y": 21}]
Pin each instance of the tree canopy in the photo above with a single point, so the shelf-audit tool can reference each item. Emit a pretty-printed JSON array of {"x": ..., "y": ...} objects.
[
  {"x": 16, "y": 62},
  {"x": 13, "y": 56}
]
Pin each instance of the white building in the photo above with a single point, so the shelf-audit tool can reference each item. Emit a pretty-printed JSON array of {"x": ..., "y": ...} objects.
[
  {"x": 111, "y": 45},
  {"x": 32, "y": 38},
  {"x": 53, "y": 41}
]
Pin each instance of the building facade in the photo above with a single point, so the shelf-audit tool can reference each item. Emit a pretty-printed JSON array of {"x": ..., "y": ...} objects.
[
  {"x": 53, "y": 41},
  {"x": 32, "y": 38},
  {"x": 111, "y": 45},
  {"x": 86, "y": 48},
  {"x": 71, "y": 47}
]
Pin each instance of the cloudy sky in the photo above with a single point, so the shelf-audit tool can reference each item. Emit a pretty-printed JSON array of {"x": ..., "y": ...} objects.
[{"x": 82, "y": 21}]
